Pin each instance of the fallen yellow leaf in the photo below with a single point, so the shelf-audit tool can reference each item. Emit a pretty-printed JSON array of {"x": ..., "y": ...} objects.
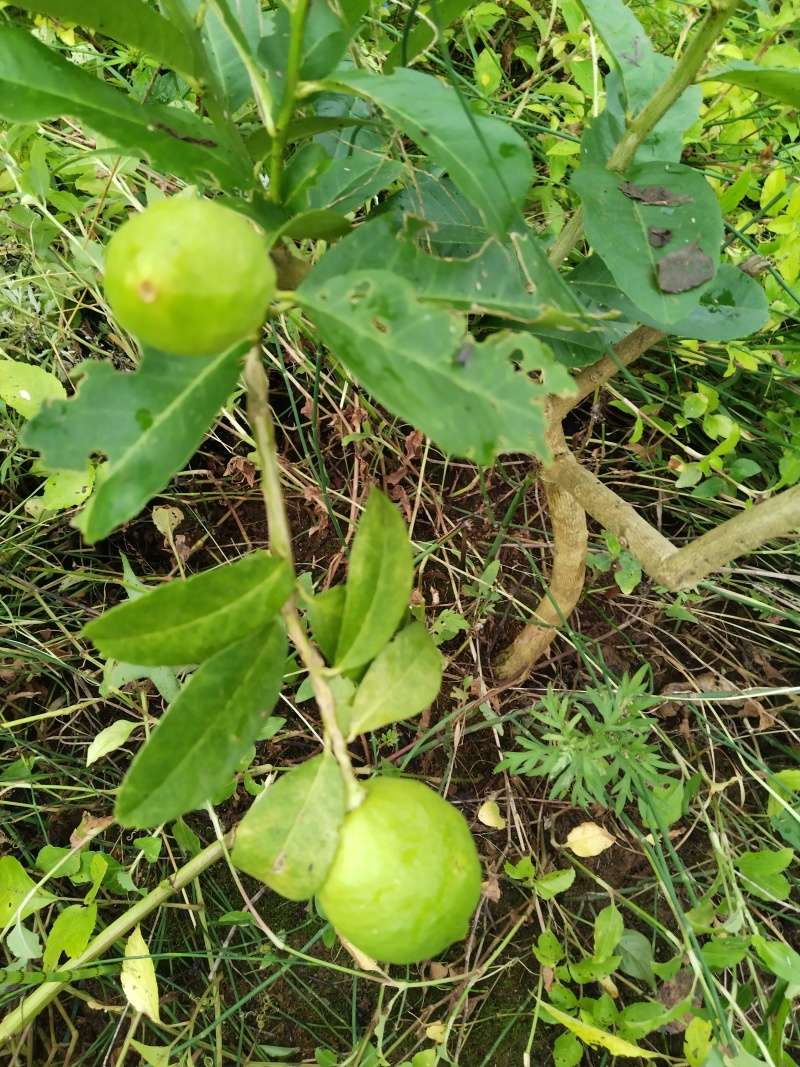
[{"x": 589, "y": 839}]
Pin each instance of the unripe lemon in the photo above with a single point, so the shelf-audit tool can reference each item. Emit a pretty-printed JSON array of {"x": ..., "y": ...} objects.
[
  {"x": 189, "y": 276},
  {"x": 406, "y": 877}
]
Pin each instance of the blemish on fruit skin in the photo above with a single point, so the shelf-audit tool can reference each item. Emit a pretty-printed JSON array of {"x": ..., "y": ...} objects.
[
  {"x": 147, "y": 291},
  {"x": 144, "y": 418}
]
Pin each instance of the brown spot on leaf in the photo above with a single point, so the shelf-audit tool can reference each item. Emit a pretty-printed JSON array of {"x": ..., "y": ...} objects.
[
  {"x": 680, "y": 271},
  {"x": 654, "y": 195}
]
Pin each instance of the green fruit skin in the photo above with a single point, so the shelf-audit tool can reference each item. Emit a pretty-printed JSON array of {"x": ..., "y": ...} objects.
[
  {"x": 406, "y": 877},
  {"x": 190, "y": 277}
]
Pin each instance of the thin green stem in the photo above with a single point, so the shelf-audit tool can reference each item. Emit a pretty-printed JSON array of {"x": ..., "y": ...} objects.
[
  {"x": 280, "y": 542},
  {"x": 30, "y": 1007},
  {"x": 682, "y": 76},
  {"x": 298, "y": 16}
]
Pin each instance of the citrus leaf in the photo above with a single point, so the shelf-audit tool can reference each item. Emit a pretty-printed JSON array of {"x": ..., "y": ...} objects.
[
  {"x": 138, "y": 976},
  {"x": 289, "y": 837},
  {"x": 667, "y": 196},
  {"x": 378, "y": 583},
  {"x": 401, "y": 681},
  {"x": 417, "y": 360},
  {"x": 36, "y": 83},
  {"x": 593, "y": 1037},
  {"x": 189, "y": 619},
  {"x": 205, "y": 732},
  {"x": 485, "y": 158},
  {"x": 25, "y": 387},
  {"x": 148, "y": 424}
]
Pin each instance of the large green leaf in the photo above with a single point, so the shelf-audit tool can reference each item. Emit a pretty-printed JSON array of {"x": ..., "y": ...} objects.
[
  {"x": 289, "y": 837},
  {"x": 132, "y": 22},
  {"x": 378, "y": 583},
  {"x": 486, "y": 159},
  {"x": 781, "y": 83},
  {"x": 647, "y": 236},
  {"x": 734, "y": 304},
  {"x": 417, "y": 360},
  {"x": 37, "y": 83},
  {"x": 17, "y": 886},
  {"x": 189, "y": 619},
  {"x": 205, "y": 731},
  {"x": 400, "y": 682},
  {"x": 148, "y": 424}
]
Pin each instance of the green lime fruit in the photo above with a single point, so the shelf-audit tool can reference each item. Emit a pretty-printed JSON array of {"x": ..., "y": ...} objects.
[
  {"x": 190, "y": 277},
  {"x": 406, "y": 877}
]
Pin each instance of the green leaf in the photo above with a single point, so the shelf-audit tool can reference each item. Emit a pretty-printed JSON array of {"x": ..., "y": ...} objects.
[
  {"x": 452, "y": 226},
  {"x": 548, "y": 950},
  {"x": 116, "y": 675},
  {"x": 25, "y": 387},
  {"x": 781, "y": 83},
  {"x": 636, "y": 954},
  {"x": 205, "y": 732},
  {"x": 324, "y": 612},
  {"x": 722, "y": 952},
  {"x": 110, "y": 739},
  {"x": 15, "y": 886},
  {"x": 150, "y": 846},
  {"x": 691, "y": 217},
  {"x": 401, "y": 681},
  {"x": 69, "y": 934},
  {"x": 288, "y": 838},
  {"x": 567, "y": 1051},
  {"x": 349, "y": 183},
  {"x": 221, "y": 50},
  {"x": 628, "y": 45},
  {"x": 189, "y": 619},
  {"x": 608, "y": 929},
  {"x": 762, "y": 871},
  {"x": 585, "y": 971},
  {"x": 488, "y": 73},
  {"x": 485, "y": 158},
  {"x": 732, "y": 305},
  {"x": 62, "y": 489},
  {"x": 554, "y": 883},
  {"x": 186, "y": 839},
  {"x": 36, "y": 84},
  {"x": 378, "y": 583},
  {"x": 417, "y": 360},
  {"x": 148, "y": 424},
  {"x": 132, "y": 22},
  {"x": 778, "y": 958}
]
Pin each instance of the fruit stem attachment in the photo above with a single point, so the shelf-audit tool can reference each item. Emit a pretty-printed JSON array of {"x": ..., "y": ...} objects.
[
  {"x": 280, "y": 543},
  {"x": 298, "y": 16}
]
